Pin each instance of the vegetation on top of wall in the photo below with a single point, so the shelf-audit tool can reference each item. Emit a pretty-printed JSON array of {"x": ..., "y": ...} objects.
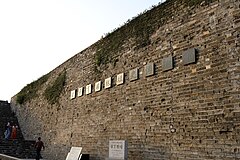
[
  {"x": 139, "y": 29},
  {"x": 30, "y": 91},
  {"x": 53, "y": 92}
]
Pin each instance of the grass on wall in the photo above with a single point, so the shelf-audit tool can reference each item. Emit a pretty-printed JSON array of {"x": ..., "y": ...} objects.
[
  {"x": 53, "y": 91},
  {"x": 139, "y": 29},
  {"x": 30, "y": 91}
]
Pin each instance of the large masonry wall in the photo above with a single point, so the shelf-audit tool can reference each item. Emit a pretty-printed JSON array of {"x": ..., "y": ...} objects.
[{"x": 190, "y": 111}]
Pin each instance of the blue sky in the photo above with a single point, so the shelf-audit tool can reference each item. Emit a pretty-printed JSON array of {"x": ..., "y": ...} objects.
[{"x": 38, "y": 35}]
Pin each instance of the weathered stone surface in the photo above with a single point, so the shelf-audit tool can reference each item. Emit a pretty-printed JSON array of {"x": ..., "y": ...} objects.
[{"x": 200, "y": 100}]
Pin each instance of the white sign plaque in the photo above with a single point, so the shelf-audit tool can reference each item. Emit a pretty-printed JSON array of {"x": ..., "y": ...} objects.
[
  {"x": 120, "y": 78},
  {"x": 107, "y": 83},
  {"x": 73, "y": 94},
  {"x": 89, "y": 89},
  {"x": 118, "y": 149},
  {"x": 133, "y": 74},
  {"x": 149, "y": 69},
  {"x": 80, "y": 91},
  {"x": 98, "y": 86},
  {"x": 74, "y": 153}
]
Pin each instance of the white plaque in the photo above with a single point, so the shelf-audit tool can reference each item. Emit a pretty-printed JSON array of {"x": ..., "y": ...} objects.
[
  {"x": 80, "y": 91},
  {"x": 149, "y": 69},
  {"x": 120, "y": 78},
  {"x": 74, "y": 153},
  {"x": 98, "y": 86},
  {"x": 107, "y": 83},
  {"x": 118, "y": 149},
  {"x": 73, "y": 94},
  {"x": 89, "y": 89},
  {"x": 133, "y": 74}
]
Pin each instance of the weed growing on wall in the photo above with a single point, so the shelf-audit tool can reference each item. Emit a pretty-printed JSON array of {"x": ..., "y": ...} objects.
[
  {"x": 53, "y": 91},
  {"x": 30, "y": 91},
  {"x": 139, "y": 29}
]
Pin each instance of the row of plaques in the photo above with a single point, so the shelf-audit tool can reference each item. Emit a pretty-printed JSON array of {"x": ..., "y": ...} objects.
[
  {"x": 189, "y": 56},
  {"x": 133, "y": 75}
]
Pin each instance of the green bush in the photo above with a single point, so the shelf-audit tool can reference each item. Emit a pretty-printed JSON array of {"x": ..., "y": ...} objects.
[
  {"x": 20, "y": 98},
  {"x": 139, "y": 29},
  {"x": 53, "y": 92},
  {"x": 30, "y": 90}
]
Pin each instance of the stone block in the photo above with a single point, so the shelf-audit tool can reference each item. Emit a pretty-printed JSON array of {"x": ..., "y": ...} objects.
[{"x": 118, "y": 149}]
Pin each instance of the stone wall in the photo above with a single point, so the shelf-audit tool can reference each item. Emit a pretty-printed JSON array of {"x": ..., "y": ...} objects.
[{"x": 189, "y": 111}]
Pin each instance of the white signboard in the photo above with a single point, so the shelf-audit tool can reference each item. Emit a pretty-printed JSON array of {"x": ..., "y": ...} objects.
[
  {"x": 149, "y": 69},
  {"x": 98, "y": 86},
  {"x": 120, "y": 78},
  {"x": 107, "y": 83},
  {"x": 80, "y": 91},
  {"x": 118, "y": 149},
  {"x": 89, "y": 89},
  {"x": 74, "y": 153},
  {"x": 73, "y": 94},
  {"x": 133, "y": 74}
]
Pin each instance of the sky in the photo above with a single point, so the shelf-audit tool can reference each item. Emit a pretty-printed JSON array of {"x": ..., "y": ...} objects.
[{"x": 36, "y": 36}]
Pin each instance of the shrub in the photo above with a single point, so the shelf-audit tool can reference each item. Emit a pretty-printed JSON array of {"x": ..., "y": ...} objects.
[
  {"x": 30, "y": 90},
  {"x": 53, "y": 92}
]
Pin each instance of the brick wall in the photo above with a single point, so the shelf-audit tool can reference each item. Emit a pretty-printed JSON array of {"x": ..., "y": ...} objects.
[{"x": 188, "y": 112}]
